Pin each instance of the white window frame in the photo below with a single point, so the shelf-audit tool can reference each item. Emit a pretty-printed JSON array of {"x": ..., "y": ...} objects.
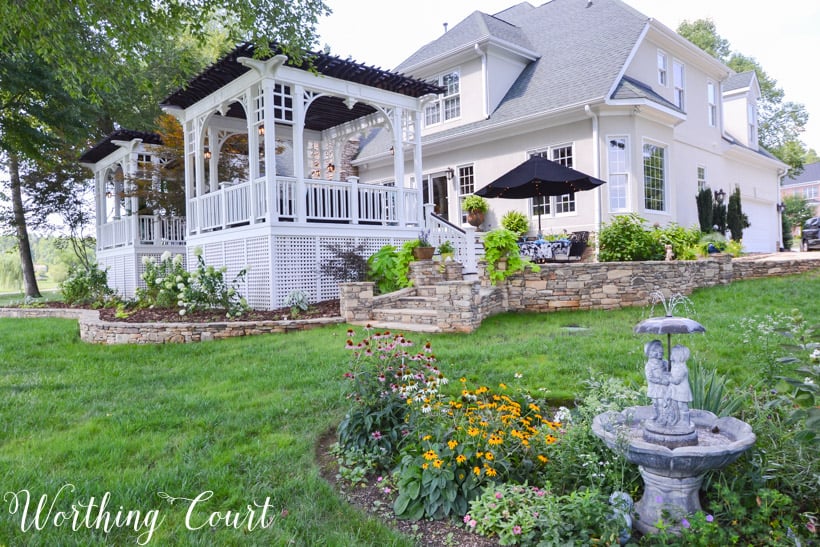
[
  {"x": 663, "y": 68},
  {"x": 618, "y": 166},
  {"x": 647, "y": 198},
  {"x": 447, "y": 106},
  {"x": 465, "y": 183},
  {"x": 679, "y": 82},
  {"x": 711, "y": 100},
  {"x": 701, "y": 176},
  {"x": 555, "y": 206}
]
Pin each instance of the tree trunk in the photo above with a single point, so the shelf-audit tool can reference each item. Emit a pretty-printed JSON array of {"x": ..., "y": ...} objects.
[{"x": 26, "y": 262}]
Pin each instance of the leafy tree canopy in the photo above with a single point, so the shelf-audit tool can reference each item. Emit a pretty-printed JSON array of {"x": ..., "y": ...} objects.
[
  {"x": 81, "y": 40},
  {"x": 780, "y": 122}
]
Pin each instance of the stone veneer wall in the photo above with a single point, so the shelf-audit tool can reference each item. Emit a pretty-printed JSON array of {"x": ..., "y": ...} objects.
[{"x": 94, "y": 330}]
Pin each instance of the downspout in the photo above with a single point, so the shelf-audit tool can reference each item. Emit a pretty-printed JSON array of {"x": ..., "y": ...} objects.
[
  {"x": 596, "y": 172},
  {"x": 781, "y": 246},
  {"x": 485, "y": 91}
]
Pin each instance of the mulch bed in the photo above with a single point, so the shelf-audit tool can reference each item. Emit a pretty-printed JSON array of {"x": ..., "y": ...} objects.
[{"x": 372, "y": 499}]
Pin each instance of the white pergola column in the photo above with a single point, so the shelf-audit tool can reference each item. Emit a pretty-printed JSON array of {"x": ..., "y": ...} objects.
[
  {"x": 299, "y": 101},
  {"x": 398, "y": 160},
  {"x": 417, "y": 166},
  {"x": 268, "y": 118}
]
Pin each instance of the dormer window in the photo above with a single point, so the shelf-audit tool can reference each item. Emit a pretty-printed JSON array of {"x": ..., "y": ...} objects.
[{"x": 448, "y": 103}]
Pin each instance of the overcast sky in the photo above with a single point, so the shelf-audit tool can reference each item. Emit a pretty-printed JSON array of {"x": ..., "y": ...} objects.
[{"x": 784, "y": 39}]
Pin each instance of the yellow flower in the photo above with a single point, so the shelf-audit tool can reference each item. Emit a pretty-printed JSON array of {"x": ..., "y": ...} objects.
[
  {"x": 426, "y": 437},
  {"x": 495, "y": 440},
  {"x": 424, "y": 466},
  {"x": 477, "y": 470},
  {"x": 542, "y": 458},
  {"x": 491, "y": 472},
  {"x": 452, "y": 444},
  {"x": 534, "y": 407},
  {"x": 461, "y": 458},
  {"x": 502, "y": 386},
  {"x": 463, "y": 380},
  {"x": 430, "y": 455},
  {"x": 479, "y": 454},
  {"x": 549, "y": 439},
  {"x": 473, "y": 431},
  {"x": 437, "y": 464},
  {"x": 489, "y": 456}
]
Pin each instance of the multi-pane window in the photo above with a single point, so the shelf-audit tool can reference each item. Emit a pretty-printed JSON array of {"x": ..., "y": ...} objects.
[
  {"x": 711, "y": 98},
  {"x": 810, "y": 192},
  {"x": 545, "y": 205},
  {"x": 448, "y": 103},
  {"x": 282, "y": 103},
  {"x": 662, "y": 68},
  {"x": 618, "y": 184},
  {"x": 654, "y": 175},
  {"x": 466, "y": 186},
  {"x": 752, "y": 116},
  {"x": 678, "y": 77},
  {"x": 701, "y": 177}
]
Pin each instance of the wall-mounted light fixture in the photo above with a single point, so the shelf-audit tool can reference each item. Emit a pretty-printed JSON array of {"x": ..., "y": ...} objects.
[
  {"x": 261, "y": 130},
  {"x": 450, "y": 173},
  {"x": 720, "y": 195},
  {"x": 207, "y": 154},
  {"x": 781, "y": 207},
  {"x": 331, "y": 168}
]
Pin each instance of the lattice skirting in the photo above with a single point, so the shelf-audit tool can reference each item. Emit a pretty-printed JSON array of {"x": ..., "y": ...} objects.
[
  {"x": 124, "y": 267},
  {"x": 280, "y": 264}
]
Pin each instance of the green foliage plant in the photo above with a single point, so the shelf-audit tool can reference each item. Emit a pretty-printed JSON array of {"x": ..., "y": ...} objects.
[
  {"x": 298, "y": 301},
  {"x": 736, "y": 219},
  {"x": 684, "y": 241},
  {"x": 516, "y": 222},
  {"x": 383, "y": 269},
  {"x": 529, "y": 515},
  {"x": 710, "y": 392},
  {"x": 163, "y": 279},
  {"x": 87, "y": 286},
  {"x": 475, "y": 203},
  {"x": 626, "y": 238},
  {"x": 501, "y": 245}
]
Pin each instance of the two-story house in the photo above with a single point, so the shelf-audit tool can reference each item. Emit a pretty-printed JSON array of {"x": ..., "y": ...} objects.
[
  {"x": 602, "y": 88},
  {"x": 330, "y": 156},
  {"x": 805, "y": 185}
]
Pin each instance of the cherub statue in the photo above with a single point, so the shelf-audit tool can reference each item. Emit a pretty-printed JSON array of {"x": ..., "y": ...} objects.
[
  {"x": 657, "y": 378},
  {"x": 679, "y": 392}
]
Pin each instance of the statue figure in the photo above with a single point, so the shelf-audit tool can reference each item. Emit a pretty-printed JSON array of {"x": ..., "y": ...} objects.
[
  {"x": 679, "y": 392},
  {"x": 657, "y": 379}
]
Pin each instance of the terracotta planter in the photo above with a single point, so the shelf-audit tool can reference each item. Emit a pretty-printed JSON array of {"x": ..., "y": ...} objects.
[
  {"x": 475, "y": 218},
  {"x": 423, "y": 253}
]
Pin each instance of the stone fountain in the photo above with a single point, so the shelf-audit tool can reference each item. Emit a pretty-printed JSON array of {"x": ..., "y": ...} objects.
[{"x": 673, "y": 445}]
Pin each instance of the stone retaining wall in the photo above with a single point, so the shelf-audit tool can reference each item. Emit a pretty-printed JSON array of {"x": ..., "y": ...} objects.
[{"x": 96, "y": 331}]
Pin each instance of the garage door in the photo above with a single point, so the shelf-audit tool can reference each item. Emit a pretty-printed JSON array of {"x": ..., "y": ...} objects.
[{"x": 764, "y": 233}]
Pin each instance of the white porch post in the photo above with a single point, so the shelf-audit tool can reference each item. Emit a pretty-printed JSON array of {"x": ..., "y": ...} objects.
[
  {"x": 299, "y": 152},
  {"x": 398, "y": 161},
  {"x": 253, "y": 151},
  {"x": 213, "y": 148},
  {"x": 134, "y": 199},
  {"x": 417, "y": 165},
  {"x": 269, "y": 139},
  {"x": 99, "y": 201},
  {"x": 199, "y": 170}
]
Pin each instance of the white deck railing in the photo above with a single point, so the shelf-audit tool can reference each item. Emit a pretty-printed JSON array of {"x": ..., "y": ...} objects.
[
  {"x": 148, "y": 229},
  {"x": 324, "y": 201}
]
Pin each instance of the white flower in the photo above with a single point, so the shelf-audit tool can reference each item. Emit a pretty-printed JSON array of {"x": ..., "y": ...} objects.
[
  {"x": 181, "y": 286},
  {"x": 178, "y": 259},
  {"x": 808, "y": 381},
  {"x": 182, "y": 311},
  {"x": 815, "y": 355},
  {"x": 198, "y": 251},
  {"x": 165, "y": 256},
  {"x": 518, "y": 375}
]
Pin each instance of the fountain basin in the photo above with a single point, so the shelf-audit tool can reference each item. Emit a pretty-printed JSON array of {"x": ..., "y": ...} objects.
[{"x": 672, "y": 476}]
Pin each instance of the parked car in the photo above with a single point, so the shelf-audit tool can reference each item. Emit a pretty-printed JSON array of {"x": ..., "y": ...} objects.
[{"x": 811, "y": 234}]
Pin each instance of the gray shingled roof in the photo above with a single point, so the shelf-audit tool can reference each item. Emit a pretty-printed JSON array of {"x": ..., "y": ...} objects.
[
  {"x": 630, "y": 88},
  {"x": 738, "y": 81},
  {"x": 811, "y": 173},
  {"x": 582, "y": 49}
]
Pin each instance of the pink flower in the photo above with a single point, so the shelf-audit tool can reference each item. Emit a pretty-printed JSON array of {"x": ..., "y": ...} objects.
[
  {"x": 466, "y": 518},
  {"x": 516, "y": 530},
  {"x": 379, "y": 479},
  {"x": 386, "y": 490},
  {"x": 472, "y": 523},
  {"x": 498, "y": 495},
  {"x": 376, "y": 435}
]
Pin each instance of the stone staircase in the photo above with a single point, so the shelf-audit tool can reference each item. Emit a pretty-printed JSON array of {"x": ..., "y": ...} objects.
[{"x": 414, "y": 310}]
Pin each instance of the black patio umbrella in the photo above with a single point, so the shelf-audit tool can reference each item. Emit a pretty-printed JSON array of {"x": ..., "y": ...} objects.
[{"x": 538, "y": 177}]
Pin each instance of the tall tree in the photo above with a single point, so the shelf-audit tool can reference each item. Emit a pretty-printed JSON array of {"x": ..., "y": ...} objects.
[
  {"x": 780, "y": 122},
  {"x": 736, "y": 220},
  {"x": 57, "y": 57}
]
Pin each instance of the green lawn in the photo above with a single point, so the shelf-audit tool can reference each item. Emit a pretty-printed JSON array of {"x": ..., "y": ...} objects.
[{"x": 240, "y": 417}]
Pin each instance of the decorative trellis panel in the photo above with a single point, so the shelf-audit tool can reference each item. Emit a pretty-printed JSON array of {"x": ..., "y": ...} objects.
[
  {"x": 295, "y": 267},
  {"x": 258, "y": 286}
]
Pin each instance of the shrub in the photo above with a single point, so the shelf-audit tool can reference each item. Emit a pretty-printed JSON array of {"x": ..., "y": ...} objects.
[
  {"x": 87, "y": 286},
  {"x": 164, "y": 279},
  {"x": 348, "y": 263},
  {"x": 475, "y": 203},
  {"x": 627, "y": 239},
  {"x": 516, "y": 222},
  {"x": 684, "y": 241},
  {"x": 297, "y": 301},
  {"x": 388, "y": 267}
]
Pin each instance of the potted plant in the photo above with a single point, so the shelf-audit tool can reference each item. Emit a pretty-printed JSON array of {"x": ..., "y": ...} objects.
[
  {"x": 502, "y": 255},
  {"x": 446, "y": 250},
  {"x": 516, "y": 222},
  {"x": 423, "y": 250},
  {"x": 476, "y": 207}
]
